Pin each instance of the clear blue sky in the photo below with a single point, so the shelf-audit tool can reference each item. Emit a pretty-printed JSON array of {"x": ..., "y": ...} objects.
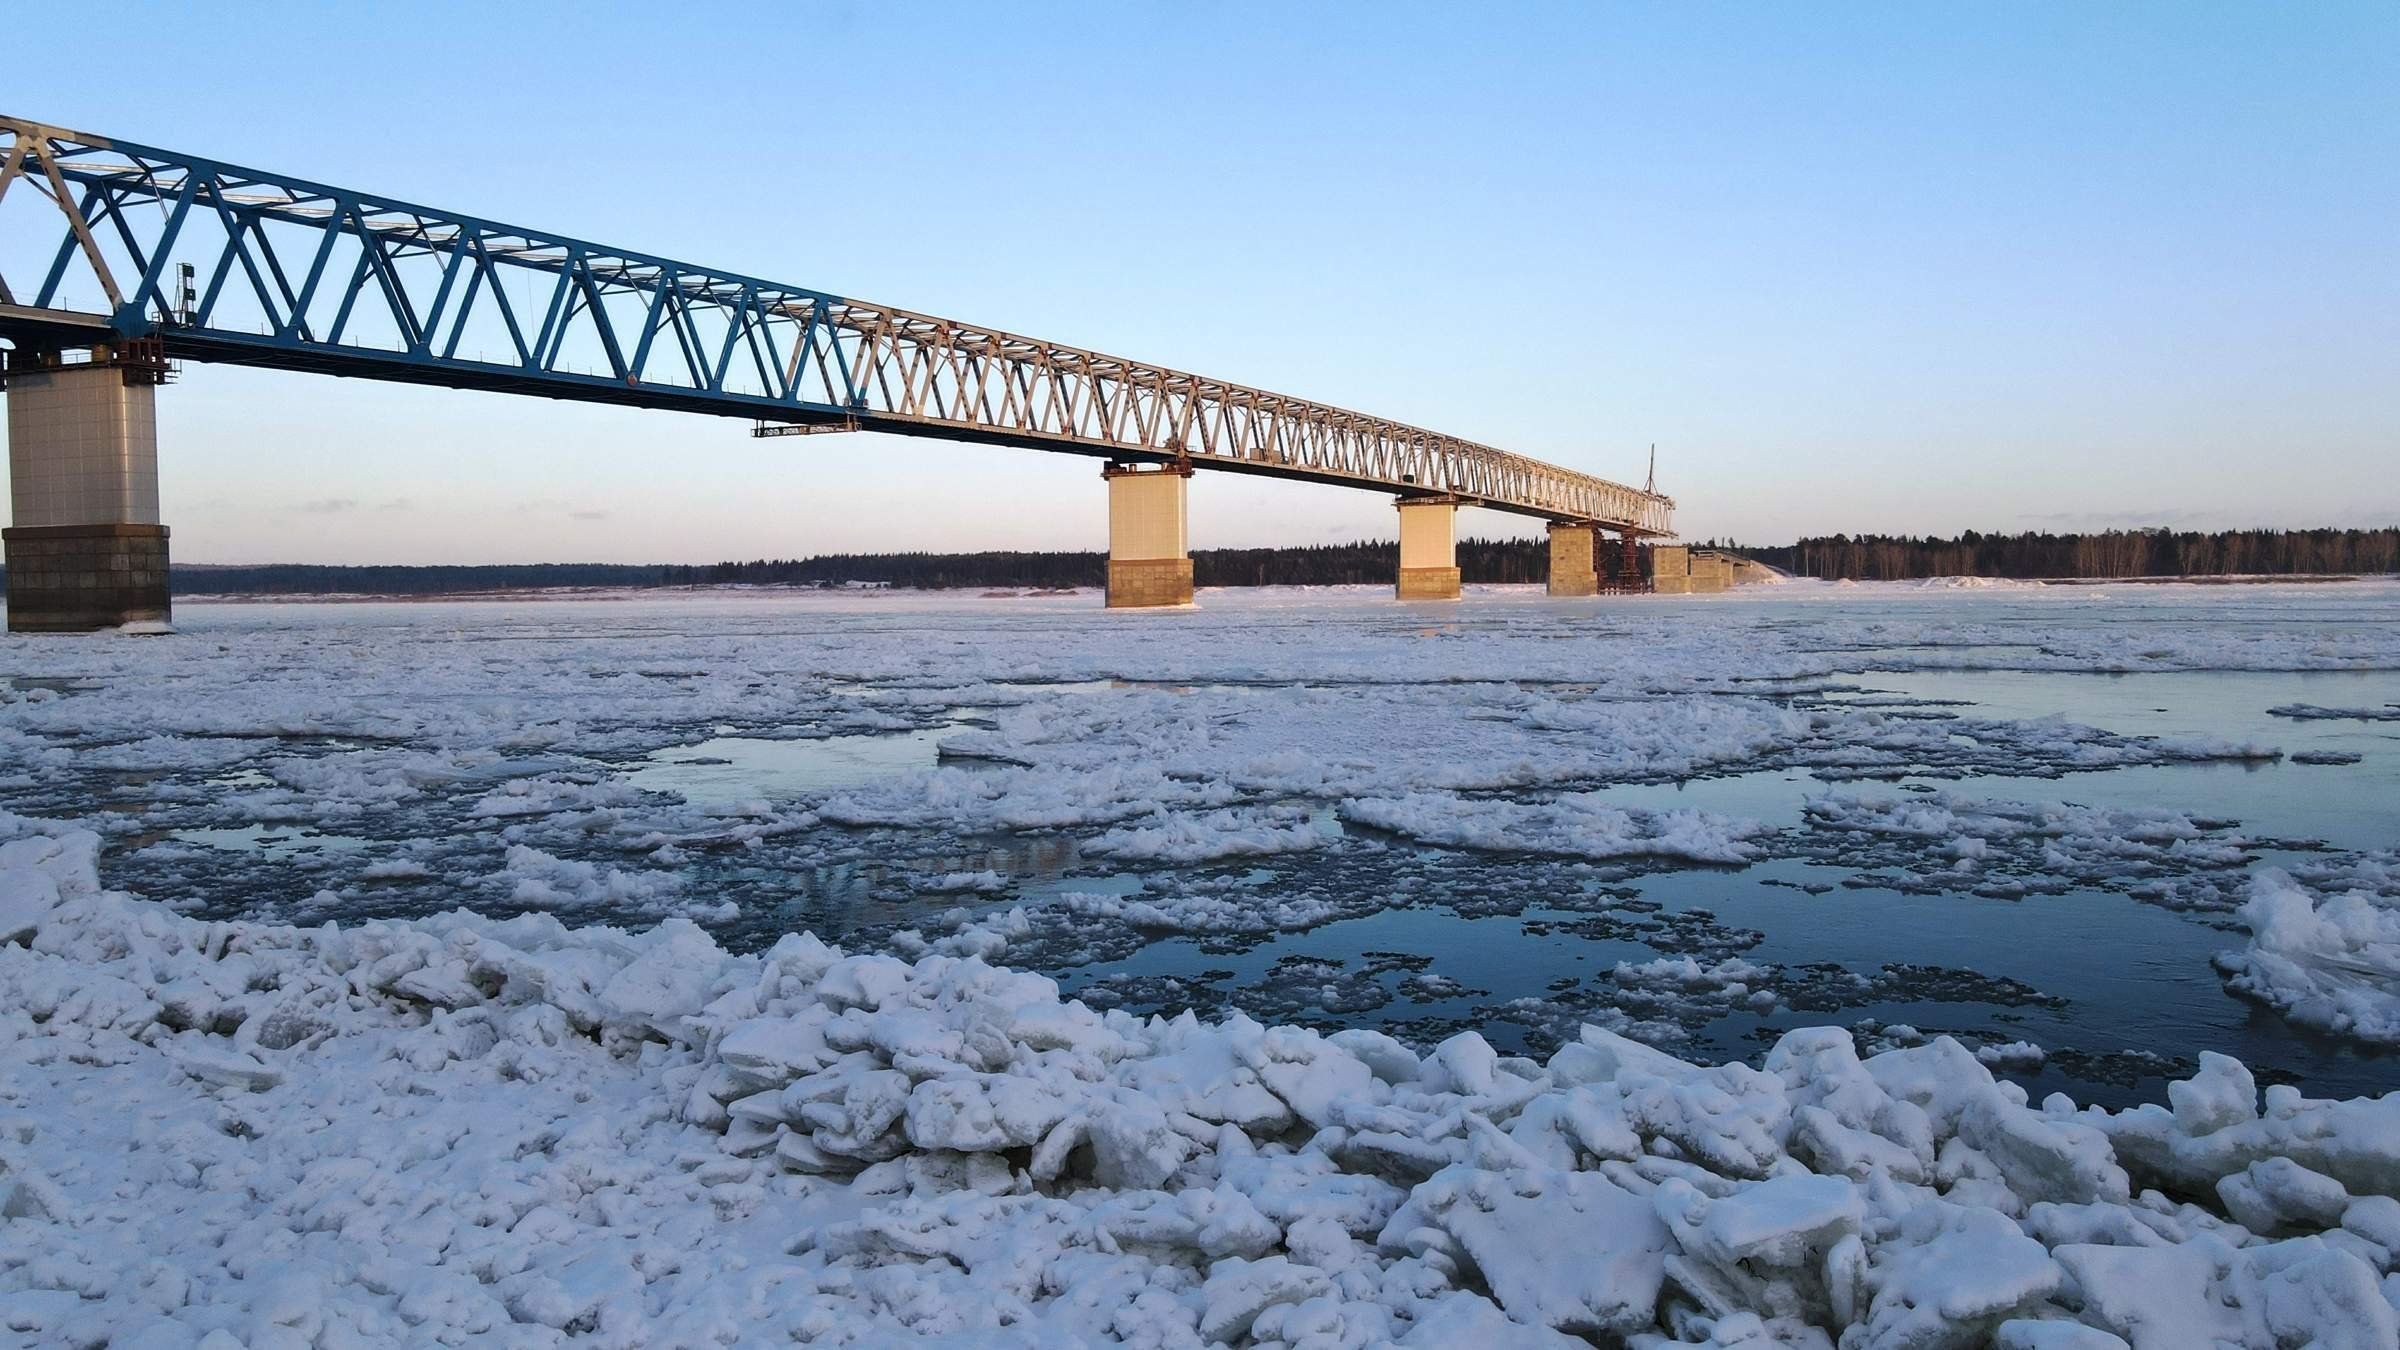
[{"x": 1852, "y": 267}]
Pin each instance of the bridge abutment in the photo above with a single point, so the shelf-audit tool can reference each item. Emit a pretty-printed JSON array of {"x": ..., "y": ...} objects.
[
  {"x": 84, "y": 547},
  {"x": 1149, "y": 536},
  {"x": 1428, "y": 548},
  {"x": 1574, "y": 561},
  {"x": 1678, "y": 569}
]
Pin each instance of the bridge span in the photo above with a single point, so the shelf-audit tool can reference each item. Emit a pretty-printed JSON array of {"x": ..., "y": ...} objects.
[{"x": 119, "y": 260}]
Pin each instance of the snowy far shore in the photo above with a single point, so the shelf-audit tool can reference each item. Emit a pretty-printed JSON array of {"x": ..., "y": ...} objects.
[
  {"x": 736, "y": 590},
  {"x": 729, "y": 588},
  {"x": 560, "y": 1107}
]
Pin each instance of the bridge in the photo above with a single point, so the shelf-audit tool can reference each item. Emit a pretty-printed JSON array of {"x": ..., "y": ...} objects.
[{"x": 118, "y": 261}]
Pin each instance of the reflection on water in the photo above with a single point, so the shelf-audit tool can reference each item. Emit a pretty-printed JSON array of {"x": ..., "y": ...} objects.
[
  {"x": 56, "y": 684},
  {"x": 842, "y": 901},
  {"x": 2130, "y": 977},
  {"x": 270, "y": 841},
  {"x": 2354, "y": 806}
]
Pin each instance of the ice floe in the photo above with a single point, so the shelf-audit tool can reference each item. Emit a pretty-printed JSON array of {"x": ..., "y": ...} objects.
[
  {"x": 1578, "y": 825},
  {"x": 1950, "y": 841},
  {"x": 2328, "y": 959},
  {"x": 2310, "y": 712}
]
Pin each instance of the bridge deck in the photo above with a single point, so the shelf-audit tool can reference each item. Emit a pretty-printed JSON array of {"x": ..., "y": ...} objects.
[{"x": 230, "y": 264}]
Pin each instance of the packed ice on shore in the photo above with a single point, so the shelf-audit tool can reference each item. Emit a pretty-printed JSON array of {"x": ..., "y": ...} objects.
[{"x": 461, "y": 1129}]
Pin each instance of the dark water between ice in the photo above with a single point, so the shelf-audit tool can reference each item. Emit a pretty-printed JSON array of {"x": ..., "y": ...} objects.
[
  {"x": 2130, "y": 979},
  {"x": 2134, "y": 978}
]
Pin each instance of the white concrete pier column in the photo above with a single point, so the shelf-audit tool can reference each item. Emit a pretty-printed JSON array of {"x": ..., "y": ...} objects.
[
  {"x": 1428, "y": 548},
  {"x": 1574, "y": 567},
  {"x": 1149, "y": 539},
  {"x": 84, "y": 546}
]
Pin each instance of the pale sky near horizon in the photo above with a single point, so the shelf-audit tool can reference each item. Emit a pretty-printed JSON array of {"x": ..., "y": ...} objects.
[{"x": 1866, "y": 267}]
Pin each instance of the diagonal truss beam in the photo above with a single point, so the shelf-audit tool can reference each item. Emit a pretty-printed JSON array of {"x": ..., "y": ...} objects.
[{"x": 390, "y": 290}]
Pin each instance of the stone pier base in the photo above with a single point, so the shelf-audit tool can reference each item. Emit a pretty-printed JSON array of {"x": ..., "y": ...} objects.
[
  {"x": 77, "y": 578},
  {"x": 1573, "y": 569},
  {"x": 1428, "y": 583},
  {"x": 1145, "y": 583}
]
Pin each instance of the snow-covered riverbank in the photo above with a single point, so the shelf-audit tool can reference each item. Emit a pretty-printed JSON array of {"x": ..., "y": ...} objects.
[{"x": 460, "y": 1129}]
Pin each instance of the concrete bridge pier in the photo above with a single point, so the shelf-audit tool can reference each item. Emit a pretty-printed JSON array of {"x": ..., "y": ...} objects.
[
  {"x": 84, "y": 547},
  {"x": 1428, "y": 548},
  {"x": 1574, "y": 564},
  {"x": 1149, "y": 536}
]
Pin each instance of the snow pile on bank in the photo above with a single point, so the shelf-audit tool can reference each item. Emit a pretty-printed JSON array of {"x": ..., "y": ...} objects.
[
  {"x": 1972, "y": 584},
  {"x": 2329, "y": 960},
  {"x": 462, "y": 1129}
]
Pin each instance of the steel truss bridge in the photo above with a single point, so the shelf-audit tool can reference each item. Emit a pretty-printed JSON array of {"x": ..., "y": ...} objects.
[{"x": 107, "y": 241}]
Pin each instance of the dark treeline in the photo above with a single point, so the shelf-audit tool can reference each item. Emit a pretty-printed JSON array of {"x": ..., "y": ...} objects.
[
  {"x": 1310, "y": 565},
  {"x": 1363, "y": 564},
  {"x": 922, "y": 571},
  {"x": 2116, "y": 553},
  {"x": 308, "y": 579}
]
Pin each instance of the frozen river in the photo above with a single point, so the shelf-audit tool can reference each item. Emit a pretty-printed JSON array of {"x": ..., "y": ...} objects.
[
  {"x": 2030, "y": 819},
  {"x": 1812, "y": 966}
]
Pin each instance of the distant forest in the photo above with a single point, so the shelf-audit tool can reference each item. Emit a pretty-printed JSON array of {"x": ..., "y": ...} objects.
[
  {"x": 2117, "y": 553},
  {"x": 311, "y": 579},
  {"x": 1314, "y": 565},
  {"x": 1307, "y": 565}
]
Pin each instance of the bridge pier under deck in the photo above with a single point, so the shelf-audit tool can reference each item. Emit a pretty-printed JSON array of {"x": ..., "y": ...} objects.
[
  {"x": 1149, "y": 536},
  {"x": 84, "y": 547},
  {"x": 1428, "y": 548},
  {"x": 1574, "y": 561}
]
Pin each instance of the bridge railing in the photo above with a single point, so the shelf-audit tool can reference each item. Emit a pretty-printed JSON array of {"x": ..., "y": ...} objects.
[{"x": 234, "y": 264}]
